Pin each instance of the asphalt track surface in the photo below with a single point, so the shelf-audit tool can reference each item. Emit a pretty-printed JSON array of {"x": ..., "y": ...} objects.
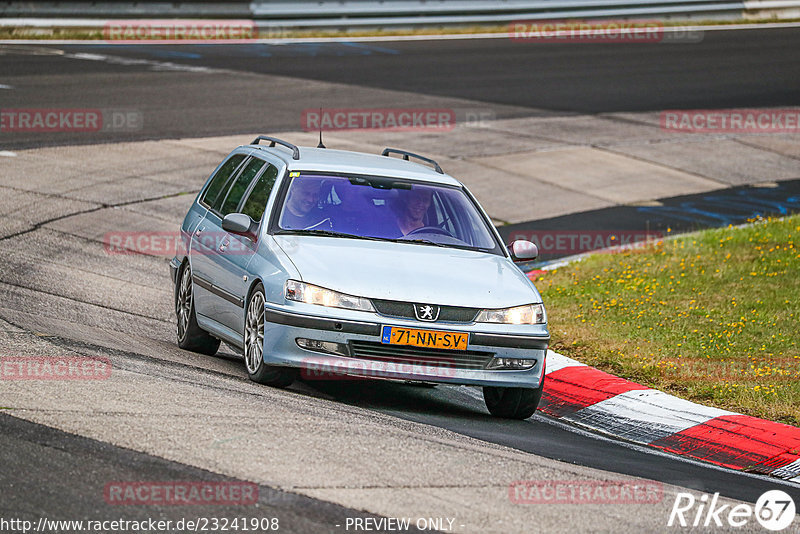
[
  {"x": 449, "y": 408},
  {"x": 727, "y": 69},
  {"x": 205, "y": 90}
]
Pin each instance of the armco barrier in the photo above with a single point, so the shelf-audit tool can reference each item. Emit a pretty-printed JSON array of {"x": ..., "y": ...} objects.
[
  {"x": 307, "y": 13},
  {"x": 376, "y": 13}
]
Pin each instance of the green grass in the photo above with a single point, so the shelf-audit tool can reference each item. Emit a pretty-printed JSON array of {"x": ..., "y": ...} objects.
[{"x": 712, "y": 317}]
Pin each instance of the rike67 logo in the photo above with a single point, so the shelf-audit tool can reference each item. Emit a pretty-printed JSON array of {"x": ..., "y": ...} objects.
[{"x": 774, "y": 511}]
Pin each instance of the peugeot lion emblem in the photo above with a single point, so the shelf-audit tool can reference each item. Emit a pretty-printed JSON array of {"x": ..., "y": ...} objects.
[{"x": 426, "y": 312}]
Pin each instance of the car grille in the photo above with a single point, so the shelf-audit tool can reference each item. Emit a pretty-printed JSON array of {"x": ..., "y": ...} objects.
[
  {"x": 468, "y": 359},
  {"x": 449, "y": 314}
]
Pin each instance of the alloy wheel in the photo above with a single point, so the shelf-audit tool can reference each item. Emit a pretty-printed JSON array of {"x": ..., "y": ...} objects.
[{"x": 254, "y": 333}]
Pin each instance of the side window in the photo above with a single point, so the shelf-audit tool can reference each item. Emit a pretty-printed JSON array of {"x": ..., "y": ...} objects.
[
  {"x": 239, "y": 186},
  {"x": 220, "y": 178},
  {"x": 444, "y": 215},
  {"x": 256, "y": 203}
]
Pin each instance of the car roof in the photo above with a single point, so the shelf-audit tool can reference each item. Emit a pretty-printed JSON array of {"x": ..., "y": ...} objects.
[{"x": 345, "y": 161}]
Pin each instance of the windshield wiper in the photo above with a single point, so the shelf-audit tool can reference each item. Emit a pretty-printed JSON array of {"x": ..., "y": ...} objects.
[
  {"x": 421, "y": 242},
  {"x": 444, "y": 245},
  {"x": 328, "y": 233}
]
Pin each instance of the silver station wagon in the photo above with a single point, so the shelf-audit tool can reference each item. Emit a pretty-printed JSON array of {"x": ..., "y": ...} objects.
[{"x": 326, "y": 264}]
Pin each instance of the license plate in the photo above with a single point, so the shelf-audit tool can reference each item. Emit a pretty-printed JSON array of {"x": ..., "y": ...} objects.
[{"x": 434, "y": 339}]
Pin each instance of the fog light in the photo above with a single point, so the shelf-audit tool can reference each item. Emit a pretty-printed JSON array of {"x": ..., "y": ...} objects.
[
  {"x": 328, "y": 347},
  {"x": 511, "y": 363}
]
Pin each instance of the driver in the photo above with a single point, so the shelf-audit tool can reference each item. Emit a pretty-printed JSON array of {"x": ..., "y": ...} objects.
[
  {"x": 413, "y": 206},
  {"x": 302, "y": 207}
]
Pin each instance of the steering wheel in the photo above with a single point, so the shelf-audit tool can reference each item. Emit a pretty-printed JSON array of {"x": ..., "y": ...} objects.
[{"x": 430, "y": 230}]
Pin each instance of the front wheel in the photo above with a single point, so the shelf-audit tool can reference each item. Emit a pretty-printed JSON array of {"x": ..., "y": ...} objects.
[
  {"x": 257, "y": 370},
  {"x": 512, "y": 403}
]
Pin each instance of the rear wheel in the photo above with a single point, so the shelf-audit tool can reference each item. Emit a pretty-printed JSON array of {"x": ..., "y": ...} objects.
[
  {"x": 190, "y": 335},
  {"x": 512, "y": 403},
  {"x": 257, "y": 370}
]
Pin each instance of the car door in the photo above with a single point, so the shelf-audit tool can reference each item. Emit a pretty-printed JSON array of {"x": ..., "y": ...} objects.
[
  {"x": 248, "y": 194},
  {"x": 203, "y": 240},
  {"x": 238, "y": 250}
]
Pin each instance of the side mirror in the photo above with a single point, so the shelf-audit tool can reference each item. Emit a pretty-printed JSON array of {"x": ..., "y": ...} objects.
[
  {"x": 236, "y": 223},
  {"x": 522, "y": 250}
]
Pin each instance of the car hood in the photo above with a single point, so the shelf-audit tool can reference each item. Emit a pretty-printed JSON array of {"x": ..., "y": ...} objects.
[{"x": 409, "y": 272}]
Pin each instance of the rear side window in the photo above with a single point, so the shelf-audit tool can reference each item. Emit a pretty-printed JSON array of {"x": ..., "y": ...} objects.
[
  {"x": 239, "y": 187},
  {"x": 257, "y": 201},
  {"x": 220, "y": 178}
]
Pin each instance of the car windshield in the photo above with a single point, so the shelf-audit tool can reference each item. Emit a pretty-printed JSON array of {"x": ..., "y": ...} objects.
[{"x": 385, "y": 209}]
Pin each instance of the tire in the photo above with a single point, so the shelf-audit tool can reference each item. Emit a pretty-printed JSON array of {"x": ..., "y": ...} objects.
[
  {"x": 257, "y": 370},
  {"x": 512, "y": 403},
  {"x": 190, "y": 335}
]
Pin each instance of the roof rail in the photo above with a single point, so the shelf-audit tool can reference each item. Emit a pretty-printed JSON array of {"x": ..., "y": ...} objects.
[
  {"x": 387, "y": 151},
  {"x": 273, "y": 140}
]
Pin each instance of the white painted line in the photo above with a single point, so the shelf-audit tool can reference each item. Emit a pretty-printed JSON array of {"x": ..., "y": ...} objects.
[
  {"x": 90, "y": 57},
  {"x": 155, "y": 65},
  {"x": 4, "y": 86},
  {"x": 7, "y": 154},
  {"x": 644, "y": 416},
  {"x": 556, "y": 362}
]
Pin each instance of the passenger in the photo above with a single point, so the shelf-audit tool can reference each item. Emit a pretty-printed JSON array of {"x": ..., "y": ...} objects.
[
  {"x": 302, "y": 209},
  {"x": 411, "y": 209}
]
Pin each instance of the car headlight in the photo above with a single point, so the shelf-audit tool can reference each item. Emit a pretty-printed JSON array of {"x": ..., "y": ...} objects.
[
  {"x": 311, "y": 294},
  {"x": 528, "y": 314}
]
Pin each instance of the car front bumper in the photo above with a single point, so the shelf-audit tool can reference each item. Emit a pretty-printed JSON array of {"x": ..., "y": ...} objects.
[{"x": 283, "y": 327}]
